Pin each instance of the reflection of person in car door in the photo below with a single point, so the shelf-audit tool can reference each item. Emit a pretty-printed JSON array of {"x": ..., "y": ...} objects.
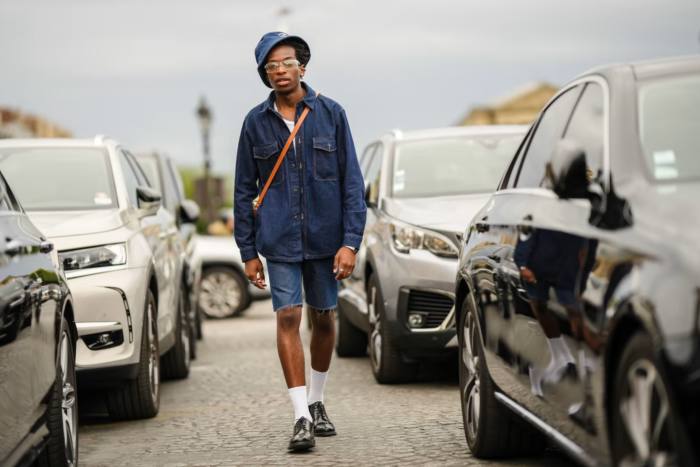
[{"x": 310, "y": 224}]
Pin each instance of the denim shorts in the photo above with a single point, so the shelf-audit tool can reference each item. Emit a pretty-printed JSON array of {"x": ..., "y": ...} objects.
[
  {"x": 540, "y": 292},
  {"x": 320, "y": 285}
]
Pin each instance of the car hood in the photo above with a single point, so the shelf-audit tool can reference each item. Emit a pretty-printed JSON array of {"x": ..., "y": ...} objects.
[
  {"x": 444, "y": 213},
  {"x": 59, "y": 224}
]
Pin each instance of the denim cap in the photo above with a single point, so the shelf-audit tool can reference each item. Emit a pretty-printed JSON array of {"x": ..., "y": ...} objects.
[{"x": 267, "y": 43}]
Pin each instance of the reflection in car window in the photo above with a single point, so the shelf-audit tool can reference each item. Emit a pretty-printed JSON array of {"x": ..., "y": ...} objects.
[
  {"x": 41, "y": 178},
  {"x": 451, "y": 166},
  {"x": 586, "y": 126},
  {"x": 550, "y": 129},
  {"x": 669, "y": 119}
]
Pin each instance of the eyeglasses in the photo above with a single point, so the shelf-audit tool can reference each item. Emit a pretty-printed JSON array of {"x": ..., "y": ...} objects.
[{"x": 288, "y": 64}]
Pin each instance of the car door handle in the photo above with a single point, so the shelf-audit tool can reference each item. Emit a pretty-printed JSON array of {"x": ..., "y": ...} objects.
[{"x": 13, "y": 247}]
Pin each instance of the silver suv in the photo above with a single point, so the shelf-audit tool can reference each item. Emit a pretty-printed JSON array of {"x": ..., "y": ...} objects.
[
  {"x": 122, "y": 257},
  {"x": 422, "y": 188}
]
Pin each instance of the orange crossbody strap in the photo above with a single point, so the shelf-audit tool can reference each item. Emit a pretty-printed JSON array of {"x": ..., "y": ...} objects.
[{"x": 282, "y": 155}]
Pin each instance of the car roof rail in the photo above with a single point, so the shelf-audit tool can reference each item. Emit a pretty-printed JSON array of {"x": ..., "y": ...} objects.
[{"x": 101, "y": 139}]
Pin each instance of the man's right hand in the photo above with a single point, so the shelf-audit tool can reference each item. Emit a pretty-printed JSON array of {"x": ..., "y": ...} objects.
[{"x": 255, "y": 273}]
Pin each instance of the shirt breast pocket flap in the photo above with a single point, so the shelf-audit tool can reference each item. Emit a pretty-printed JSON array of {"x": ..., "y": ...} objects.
[
  {"x": 265, "y": 160},
  {"x": 325, "y": 160}
]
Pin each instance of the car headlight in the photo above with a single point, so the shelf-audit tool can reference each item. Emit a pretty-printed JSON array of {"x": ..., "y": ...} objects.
[
  {"x": 95, "y": 257},
  {"x": 407, "y": 237}
]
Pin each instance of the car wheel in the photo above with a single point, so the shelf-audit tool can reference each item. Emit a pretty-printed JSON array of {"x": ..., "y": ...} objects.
[
  {"x": 223, "y": 293},
  {"x": 62, "y": 446},
  {"x": 140, "y": 397},
  {"x": 645, "y": 428},
  {"x": 176, "y": 362},
  {"x": 491, "y": 430},
  {"x": 387, "y": 362},
  {"x": 350, "y": 341},
  {"x": 198, "y": 320}
]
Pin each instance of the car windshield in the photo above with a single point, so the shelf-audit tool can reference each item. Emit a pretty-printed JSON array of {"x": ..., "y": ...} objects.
[
  {"x": 452, "y": 166},
  {"x": 53, "y": 179},
  {"x": 150, "y": 167},
  {"x": 669, "y": 119}
]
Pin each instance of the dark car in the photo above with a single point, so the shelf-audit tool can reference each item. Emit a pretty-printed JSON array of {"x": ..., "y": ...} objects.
[
  {"x": 38, "y": 400},
  {"x": 578, "y": 287},
  {"x": 163, "y": 174}
]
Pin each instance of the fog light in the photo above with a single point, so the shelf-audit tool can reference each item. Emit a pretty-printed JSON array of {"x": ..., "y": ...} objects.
[
  {"x": 416, "y": 320},
  {"x": 104, "y": 340}
]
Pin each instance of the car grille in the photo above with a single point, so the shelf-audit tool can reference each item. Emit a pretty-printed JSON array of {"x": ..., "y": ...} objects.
[{"x": 436, "y": 306}]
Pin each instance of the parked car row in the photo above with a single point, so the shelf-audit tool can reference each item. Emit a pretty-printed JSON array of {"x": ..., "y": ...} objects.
[
  {"x": 96, "y": 288},
  {"x": 575, "y": 309}
]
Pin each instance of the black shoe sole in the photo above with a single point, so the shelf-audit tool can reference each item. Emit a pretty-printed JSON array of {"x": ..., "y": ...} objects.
[
  {"x": 301, "y": 446},
  {"x": 324, "y": 434}
]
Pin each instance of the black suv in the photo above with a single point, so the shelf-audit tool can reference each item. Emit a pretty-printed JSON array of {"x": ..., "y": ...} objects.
[
  {"x": 579, "y": 283},
  {"x": 39, "y": 405}
]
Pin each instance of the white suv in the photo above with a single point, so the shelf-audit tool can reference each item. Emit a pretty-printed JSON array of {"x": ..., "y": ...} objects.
[{"x": 122, "y": 257}]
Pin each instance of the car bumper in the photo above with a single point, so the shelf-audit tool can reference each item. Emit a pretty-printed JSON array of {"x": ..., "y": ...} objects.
[
  {"x": 109, "y": 310},
  {"x": 420, "y": 286}
]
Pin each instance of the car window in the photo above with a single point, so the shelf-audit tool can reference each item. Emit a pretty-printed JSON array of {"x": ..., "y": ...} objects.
[
  {"x": 132, "y": 182},
  {"x": 38, "y": 175},
  {"x": 669, "y": 119},
  {"x": 451, "y": 165},
  {"x": 140, "y": 174},
  {"x": 509, "y": 176},
  {"x": 169, "y": 191},
  {"x": 586, "y": 126},
  {"x": 177, "y": 180},
  {"x": 549, "y": 130},
  {"x": 373, "y": 176}
]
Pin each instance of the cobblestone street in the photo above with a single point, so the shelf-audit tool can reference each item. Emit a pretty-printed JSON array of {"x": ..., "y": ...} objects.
[{"x": 234, "y": 410}]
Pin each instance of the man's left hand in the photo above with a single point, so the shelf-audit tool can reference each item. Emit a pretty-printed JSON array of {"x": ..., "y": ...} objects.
[{"x": 344, "y": 263}]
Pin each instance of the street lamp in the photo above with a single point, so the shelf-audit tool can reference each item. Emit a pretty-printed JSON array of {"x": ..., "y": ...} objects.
[{"x": 205, "y": 117}]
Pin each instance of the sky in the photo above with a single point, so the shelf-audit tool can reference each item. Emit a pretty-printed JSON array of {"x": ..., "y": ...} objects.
[{"x": 135, "y": 70}]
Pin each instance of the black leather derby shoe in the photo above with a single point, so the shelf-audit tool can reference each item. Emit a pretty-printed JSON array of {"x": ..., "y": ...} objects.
[
  {"x": 322, "y": 424},
  {"x": 303, "y": 437}
]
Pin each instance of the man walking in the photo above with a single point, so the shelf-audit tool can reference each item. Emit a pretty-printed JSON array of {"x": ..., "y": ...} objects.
[{"x": 309, "y": 224}]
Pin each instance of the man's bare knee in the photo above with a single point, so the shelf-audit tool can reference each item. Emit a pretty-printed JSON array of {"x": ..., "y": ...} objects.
[
  {"x": 322, "y": 321},
  {"x": 288, "y": 319}
]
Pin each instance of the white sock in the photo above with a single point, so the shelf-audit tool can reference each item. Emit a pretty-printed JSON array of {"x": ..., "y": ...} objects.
[
  {"x": 301, "y": 408},
  {"x": 318, "y": 383},
  {"x": 561, "y": 351}
]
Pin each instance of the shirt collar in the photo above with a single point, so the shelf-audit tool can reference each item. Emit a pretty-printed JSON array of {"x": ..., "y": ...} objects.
[{"x": 309, "y": 99}]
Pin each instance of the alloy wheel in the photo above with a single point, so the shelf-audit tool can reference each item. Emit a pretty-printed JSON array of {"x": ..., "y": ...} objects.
[
  {"x": 69, "y": 414},
  {"x": 645, "y": 412},
  {"x": 220, "y": 295},
  {"x": 154, "y": 358},
  {"x": 471, "y": 395},
  {"x": 375, "y": 327}
]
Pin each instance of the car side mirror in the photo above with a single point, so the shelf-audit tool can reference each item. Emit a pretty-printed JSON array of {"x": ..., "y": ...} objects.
[
  {"x": 149, "y": 201},
  {"x": 189, "y": 211},
  {"x": 568, "y": 175},
  {"x": 567, "y": 171}
]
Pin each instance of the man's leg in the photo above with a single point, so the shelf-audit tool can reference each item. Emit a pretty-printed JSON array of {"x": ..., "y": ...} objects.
[
  {"x": 322, "y": 296},
  {"x": 285, "y": 285}
]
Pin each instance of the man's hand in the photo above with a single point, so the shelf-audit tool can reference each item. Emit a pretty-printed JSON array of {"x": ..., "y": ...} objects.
[
  {"x": 527, "y": 275},
  {"x": 344, "y": 263},
  {"x": 255, "y": 273}
]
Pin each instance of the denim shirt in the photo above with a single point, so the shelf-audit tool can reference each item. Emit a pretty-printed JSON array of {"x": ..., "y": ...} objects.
[{"x": 316, "y": 202}]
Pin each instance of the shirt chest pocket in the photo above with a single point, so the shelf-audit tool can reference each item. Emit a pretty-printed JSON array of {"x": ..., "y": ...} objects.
[
  {"x": 325, "y": 158},
  {"x": 265, "y": 157}
]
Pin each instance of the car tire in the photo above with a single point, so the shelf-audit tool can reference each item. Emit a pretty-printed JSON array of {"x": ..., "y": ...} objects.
[
  {"x": 62, "y": 413},
  {"x": 386, "y": 360},
  {"x": 198, "y": 321},
  {"x": 223, "y": 293},
  {"x": 640, "y": 365},
  {"x": 140, "y": 397},
  {"x": 350, "y": 341},
  {"x": 175, "y": 363},
  {"x": 491, "y": 430}
]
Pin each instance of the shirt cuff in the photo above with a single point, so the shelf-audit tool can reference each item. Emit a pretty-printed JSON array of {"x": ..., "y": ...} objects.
[
  {"x": 352, "y": 240},
  {"x": 248, "y": 254},
  {"x": 354, "y": 250}
]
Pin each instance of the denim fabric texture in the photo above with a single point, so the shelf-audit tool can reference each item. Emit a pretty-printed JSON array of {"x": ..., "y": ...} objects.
[
  {"x": 316, "y": 203},
  {"x": 320, "y": 285}
]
